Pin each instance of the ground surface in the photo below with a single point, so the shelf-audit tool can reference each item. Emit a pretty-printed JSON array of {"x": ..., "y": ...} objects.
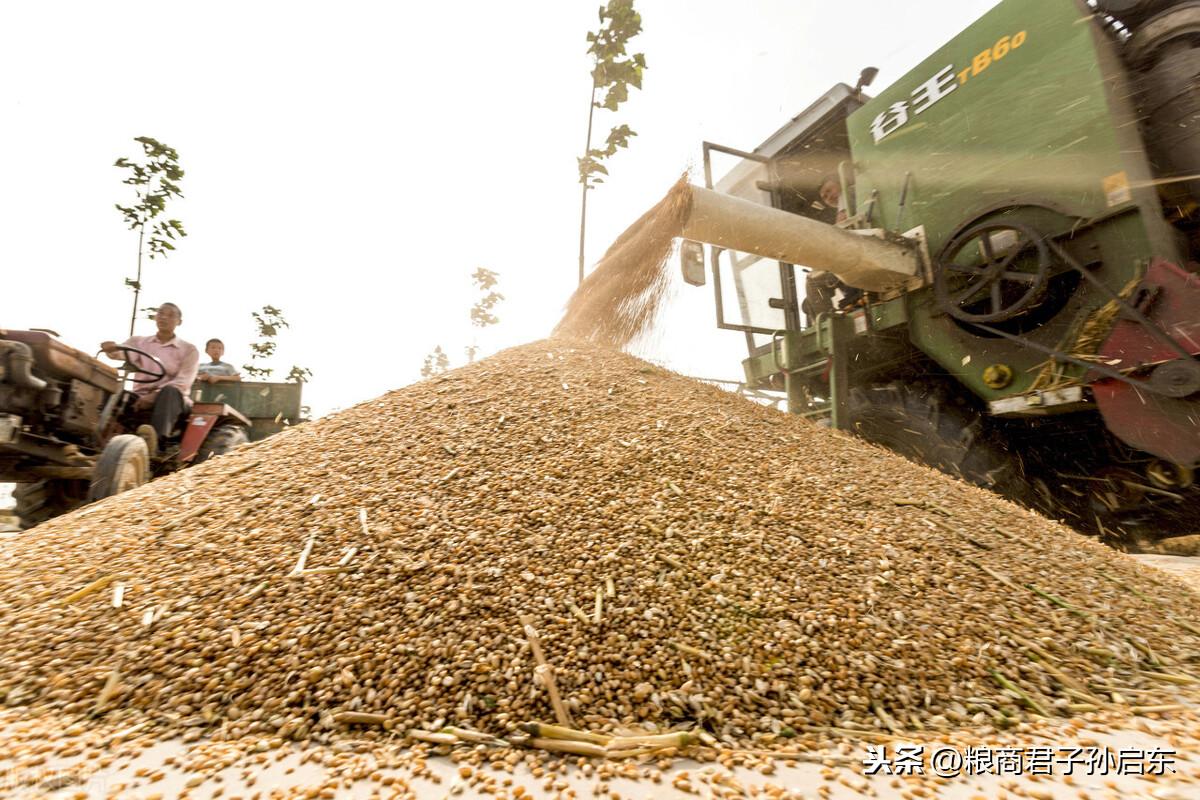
[
  {"x": 204, "y": 770},
  {"x": 1187, "y": 569}
]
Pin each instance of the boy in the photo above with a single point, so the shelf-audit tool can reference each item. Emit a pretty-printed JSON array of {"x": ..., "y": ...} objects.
[{"x": 216, "y": 371}]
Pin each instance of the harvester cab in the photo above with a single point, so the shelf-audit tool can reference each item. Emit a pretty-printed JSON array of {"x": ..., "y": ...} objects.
[
  {"x": 1020, "y": 213},
  {"x": 785, "y": 172}
]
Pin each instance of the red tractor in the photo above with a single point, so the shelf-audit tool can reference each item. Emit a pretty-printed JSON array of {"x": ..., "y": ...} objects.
[{"x": 67, "y": 422}]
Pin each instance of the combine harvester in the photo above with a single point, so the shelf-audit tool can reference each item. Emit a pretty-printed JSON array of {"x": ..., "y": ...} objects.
[{"x": 1020, "y": 213}]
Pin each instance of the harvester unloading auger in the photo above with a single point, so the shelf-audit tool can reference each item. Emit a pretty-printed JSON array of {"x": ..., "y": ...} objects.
[{"x": 1021, "y": 213}]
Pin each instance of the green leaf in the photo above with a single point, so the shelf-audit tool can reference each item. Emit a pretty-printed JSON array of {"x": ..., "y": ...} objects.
[{"x": 616, "y": 95}]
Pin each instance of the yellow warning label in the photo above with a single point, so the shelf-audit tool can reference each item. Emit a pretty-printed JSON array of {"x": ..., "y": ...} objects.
[{"x": 1116, "y": 189}]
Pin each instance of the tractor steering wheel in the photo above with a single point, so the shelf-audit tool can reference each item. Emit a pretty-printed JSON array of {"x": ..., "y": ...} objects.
[{"x": 129, "y": 367}]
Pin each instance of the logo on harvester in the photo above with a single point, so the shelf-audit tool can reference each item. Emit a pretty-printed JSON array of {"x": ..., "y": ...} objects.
[
  {"x": 923, "y": 98},
  {"x": 898, "y": 114}
]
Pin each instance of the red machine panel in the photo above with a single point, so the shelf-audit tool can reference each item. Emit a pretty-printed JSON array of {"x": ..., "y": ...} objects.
[{"x": 1167, "y": 427}]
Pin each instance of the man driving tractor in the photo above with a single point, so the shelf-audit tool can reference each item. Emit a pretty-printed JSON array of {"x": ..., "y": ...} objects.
[{"x": 166, "y": 397}]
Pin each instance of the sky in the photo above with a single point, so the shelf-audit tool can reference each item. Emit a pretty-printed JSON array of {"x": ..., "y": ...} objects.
[{"x": 353, "y": 163}]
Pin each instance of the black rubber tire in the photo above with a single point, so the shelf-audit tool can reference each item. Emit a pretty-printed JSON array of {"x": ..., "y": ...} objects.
[
  {"x": 922, "y": 423},
  {"x": 124, "y": 465},
  {"x": 41, "y": 500},
  {"x": 221, "y": 440}
]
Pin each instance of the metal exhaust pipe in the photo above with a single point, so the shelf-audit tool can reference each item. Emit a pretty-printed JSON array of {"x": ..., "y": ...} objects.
[{"x": 20, "y": 365}]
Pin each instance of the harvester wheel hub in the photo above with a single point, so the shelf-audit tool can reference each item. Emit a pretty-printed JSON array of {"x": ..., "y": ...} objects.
[{"x": 992, "y": 272}]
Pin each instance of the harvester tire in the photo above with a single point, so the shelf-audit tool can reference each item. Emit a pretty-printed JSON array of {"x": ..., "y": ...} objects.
[
  {"x": 123, "y": 465},
  {"x": 221, "y": 440},
  {"x": 923, "y": 424},
  {"x": 38, "y": 501}
]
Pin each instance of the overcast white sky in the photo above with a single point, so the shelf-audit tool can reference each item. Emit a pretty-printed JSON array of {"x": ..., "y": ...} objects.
[{"x": 354, "y": 162}]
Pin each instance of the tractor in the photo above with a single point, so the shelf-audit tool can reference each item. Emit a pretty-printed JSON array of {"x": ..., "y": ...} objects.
[
  {"x": 67, "y": 422},
  {"x": 989, "y": 267}
]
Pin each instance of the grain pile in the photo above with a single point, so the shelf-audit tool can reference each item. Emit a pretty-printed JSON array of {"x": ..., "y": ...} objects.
[{"x": 686, "y": 558}]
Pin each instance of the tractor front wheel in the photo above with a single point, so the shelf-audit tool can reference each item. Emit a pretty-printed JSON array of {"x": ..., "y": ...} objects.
[
  {"x": 124, "y": 465},
  {"x": 923, "y": 424},
  {"x": 38, "y": 501}
]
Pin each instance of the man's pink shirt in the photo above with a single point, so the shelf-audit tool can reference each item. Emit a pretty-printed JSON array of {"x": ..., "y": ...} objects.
[{"x": 179, "y": 357}]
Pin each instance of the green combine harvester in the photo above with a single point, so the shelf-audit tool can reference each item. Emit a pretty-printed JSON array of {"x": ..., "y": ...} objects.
[{"x": 1001, "y": 281}]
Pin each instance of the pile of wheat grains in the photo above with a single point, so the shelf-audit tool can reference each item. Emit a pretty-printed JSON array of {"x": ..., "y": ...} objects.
[{"x": 687, "y": 559}]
